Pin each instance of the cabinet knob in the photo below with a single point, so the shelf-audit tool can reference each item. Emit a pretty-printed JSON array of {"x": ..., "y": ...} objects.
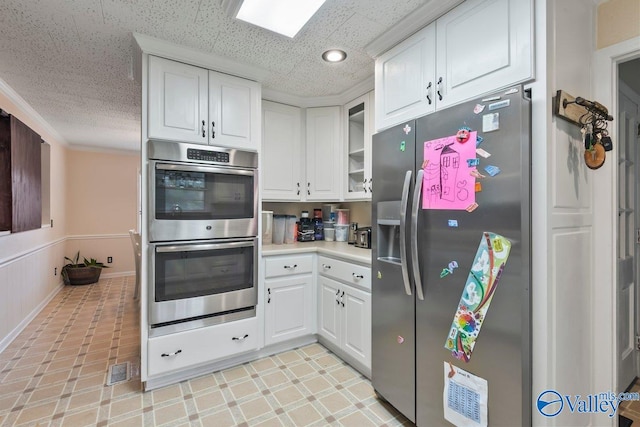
[
  {"x": 175, "y": 353},
  {"x": 357, "y": 276},
  {"x": 439, "y": 83},
  {"x": 327, "y": 267},
  {"x": 429, "y": 93},
  {"x": 204, "y": 130},
  {"x": 240, "y": 338}
]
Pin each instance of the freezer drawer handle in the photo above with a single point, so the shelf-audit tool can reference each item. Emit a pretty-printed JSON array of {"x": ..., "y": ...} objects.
[
  {"x": 240, "y": 338},
  {"x": 357, "y": 276},
  {"x": 403, "y": 232},
  {"x": 415, "y": 210},
  {"x": 175, "y": 353}
]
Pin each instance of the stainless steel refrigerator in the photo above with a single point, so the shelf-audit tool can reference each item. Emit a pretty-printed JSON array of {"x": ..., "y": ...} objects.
[{"x": 425, "y": 246}]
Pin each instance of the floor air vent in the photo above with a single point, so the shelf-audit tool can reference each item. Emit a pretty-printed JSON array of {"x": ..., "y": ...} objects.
[{"x": 119, "y": 373}]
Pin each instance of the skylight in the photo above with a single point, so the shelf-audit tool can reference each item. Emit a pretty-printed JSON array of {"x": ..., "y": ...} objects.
[{"x": 285, "y": 17}]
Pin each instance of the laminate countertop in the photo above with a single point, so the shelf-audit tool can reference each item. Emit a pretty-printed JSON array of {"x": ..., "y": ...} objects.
[{"x": 335, "y": 249}]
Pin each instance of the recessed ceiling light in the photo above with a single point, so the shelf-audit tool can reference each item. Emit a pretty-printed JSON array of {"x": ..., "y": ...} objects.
[
  {"x": 285, "y": 17},
  {"x": 334, "y": 55}
]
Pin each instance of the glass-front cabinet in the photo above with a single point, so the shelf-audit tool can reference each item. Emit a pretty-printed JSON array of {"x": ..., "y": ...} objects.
[{"x": 358, "y": 119}]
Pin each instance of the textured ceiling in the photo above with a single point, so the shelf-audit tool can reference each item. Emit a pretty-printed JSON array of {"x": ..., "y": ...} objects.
[{"x": 71, "y": 59}]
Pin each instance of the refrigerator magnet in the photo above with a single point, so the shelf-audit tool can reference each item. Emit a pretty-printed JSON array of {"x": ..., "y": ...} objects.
[
  {"x": 403, "y": 145},
  {"x": 452, "y": 223},
  {"x": 479, "y": 140},
  {"x": 406, "y": 129},
  {"x": 483, "y": 153},
  {"x": 463, "y": 134},
  {"x": 478, "y": 187},
  {"x": 482, "y": 281},
  {"x": 490, "y": 122},
  {"x": 472, "y": 207},
  {"x": 449, "y": 269},
  {"x": 500, "y": 104},
  {"x": 473, "y": 162},
  {"x": 479, "y": 108},
  {"x": 465, "y": 398},
  {"x": 474, "y": 173},
  {"x": 492, "y": 170}
]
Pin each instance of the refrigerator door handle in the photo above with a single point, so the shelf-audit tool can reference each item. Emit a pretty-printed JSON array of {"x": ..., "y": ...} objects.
[
  {"x": 403, "y": 232},
  {"x": 415, "y": 210}
]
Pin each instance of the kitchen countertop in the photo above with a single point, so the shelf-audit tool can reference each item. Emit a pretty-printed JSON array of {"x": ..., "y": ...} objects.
[{"x": 336, "y": 249}]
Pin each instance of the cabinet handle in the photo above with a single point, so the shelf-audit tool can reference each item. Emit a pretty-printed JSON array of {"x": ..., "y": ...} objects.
[
  {"x": 240, "y": 338},
  {"x": 342, "y": 299},
  {"x": 357, "y": 276},
  {"x": 327, "y": 267},
  {"x": 204, "y": 129},
  {"x": 338, "y": 292},
  {"x": 308, "y": 188},
  {"x": 370, "y": 185},
  {"x": 298, "y": 185},
  {"x": 429, "y": 93},
  {"x": 268, "y": 295},
  {"x": 213, "y": 131},
  {"x": 439, "y": 83},
  {"x": 364, "y": 184},
  {"x": 290, "y": 267},
  {"x": 175, "y": 353}
]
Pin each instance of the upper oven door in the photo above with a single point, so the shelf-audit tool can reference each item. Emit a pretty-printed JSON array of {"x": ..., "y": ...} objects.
[{"x": 191, "y": 202}]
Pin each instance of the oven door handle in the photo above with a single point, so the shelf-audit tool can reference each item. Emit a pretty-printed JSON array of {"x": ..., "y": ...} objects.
[
  {"x": 206, "y": 169},
  {"x": 205, "y": 247}
]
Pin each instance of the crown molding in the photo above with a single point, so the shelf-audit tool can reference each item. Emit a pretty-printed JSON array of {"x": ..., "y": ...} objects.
[
  {"x": 26, "y": 109},
  {"x": 350, "y": 94},
  {"x": 154, "y": 46},
  {"x": 415, "y": 21}
]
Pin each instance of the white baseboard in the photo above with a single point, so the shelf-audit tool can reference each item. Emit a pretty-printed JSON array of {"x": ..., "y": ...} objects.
[
  {"x": 4, "y": 343},
  {"x": 120, "y": 274}
]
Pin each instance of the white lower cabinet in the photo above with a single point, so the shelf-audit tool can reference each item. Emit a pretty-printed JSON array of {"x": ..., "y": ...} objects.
[
  {"x": 288, "y": 308},
  {"x": 198, "y": 346},
  {"x": 288, "y": 297},
  {"x": 344, "y": 311}
]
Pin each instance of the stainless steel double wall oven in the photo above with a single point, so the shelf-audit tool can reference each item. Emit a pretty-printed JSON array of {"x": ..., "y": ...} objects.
[{"x": 203, "y": 228}]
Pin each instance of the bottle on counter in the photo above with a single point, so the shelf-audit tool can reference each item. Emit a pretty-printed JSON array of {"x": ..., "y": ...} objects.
[{"x": 318, "y": 227}]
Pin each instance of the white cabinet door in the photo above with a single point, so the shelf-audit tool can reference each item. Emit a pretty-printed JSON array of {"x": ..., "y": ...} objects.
[
  {"x": 404, "y": 83},
  {"x": 356, "y": 323},
  {"x": 281, "y": 157},
  {"x": 288, "y": 308},
  {"x": 178, "y": 97},
  {"x": 324, "y": 154},
  {"x": 329, "y": 310},
  {"x": 357, "y": 148},
  {"x": 368, "y": 147},
  {"x": 483, "y": 45},
  {"x": 234, "y": 112}
]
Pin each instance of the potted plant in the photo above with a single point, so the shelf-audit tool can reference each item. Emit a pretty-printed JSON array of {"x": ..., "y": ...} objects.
[{"x": 76, "y": 273}]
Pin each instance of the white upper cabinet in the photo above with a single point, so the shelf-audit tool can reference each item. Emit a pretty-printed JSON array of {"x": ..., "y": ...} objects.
[
  {"x": 476, "y": 48},
  {"x": 281, "y": 152},
  {"x": 358, "y": 130},
  {"x": 404, "y": 79},
  {"x": 324, "y": 154},
  {"x": 234, "y": 111},
  {"x": 192, "y": 104},
  {"x": 483, "y": 46},
  {"x": 178, "y": 97}
]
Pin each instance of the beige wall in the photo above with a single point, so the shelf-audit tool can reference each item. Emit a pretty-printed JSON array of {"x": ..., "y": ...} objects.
[{"x": 618, "y": 20}]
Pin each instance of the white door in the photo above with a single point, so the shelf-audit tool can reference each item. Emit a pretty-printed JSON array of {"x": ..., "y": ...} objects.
[
  {"x": 329, "y": 310},
  {"x": 281, "y": 152},
  {"x": 628, "y": 119},
  {"x": 324, "y": 154},
  {"x": 483, "y": 45},
  {"x": 234, "y": 112},
  {"x": 288, "y": 308},
  {"x": 178, "y": 97},
  {"x": 404, "y": 83},
  {"x": 356, "y": 323}
]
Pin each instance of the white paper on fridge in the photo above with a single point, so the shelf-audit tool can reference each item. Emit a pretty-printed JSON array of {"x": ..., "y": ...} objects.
[{"x": 465, "y": 397}]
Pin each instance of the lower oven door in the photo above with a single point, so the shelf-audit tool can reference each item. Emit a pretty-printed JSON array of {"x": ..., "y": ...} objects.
[{"x": 200, "y": 279}]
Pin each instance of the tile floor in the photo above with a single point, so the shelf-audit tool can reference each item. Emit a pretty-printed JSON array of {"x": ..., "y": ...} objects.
[
  {"x": 631, "y": 408},
  {"x": 54, "y": 374}
]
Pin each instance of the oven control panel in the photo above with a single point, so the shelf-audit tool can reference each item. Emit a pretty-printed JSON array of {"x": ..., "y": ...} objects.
[{"x": 206, "y": 155}]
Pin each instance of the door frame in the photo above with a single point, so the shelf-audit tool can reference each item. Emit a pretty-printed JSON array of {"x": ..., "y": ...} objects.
[{"x": 605, "y": 90}]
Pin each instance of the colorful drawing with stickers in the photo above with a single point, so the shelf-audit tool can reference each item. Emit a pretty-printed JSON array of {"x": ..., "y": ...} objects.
[
  {"x": 478, "y": 292},
  {"x": 447, "y": 182}
]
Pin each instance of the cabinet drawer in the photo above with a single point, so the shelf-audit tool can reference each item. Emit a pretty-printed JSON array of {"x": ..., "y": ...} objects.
[
  {"x": 353, "y": 274},
  {"x": 190, "y": 348},
  {"x": 288, "y": 265}
]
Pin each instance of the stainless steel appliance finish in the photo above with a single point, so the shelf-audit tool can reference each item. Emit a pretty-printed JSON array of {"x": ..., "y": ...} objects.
[
  {"x": 192, "y": 281},
  {"x": 201, "y": 192},
  {"x": 363, "y": 237},
  {"x": 412, "y": 306}
]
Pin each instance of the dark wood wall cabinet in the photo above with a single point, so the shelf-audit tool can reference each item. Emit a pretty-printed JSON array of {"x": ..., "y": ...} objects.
[{"x": 20, "y": 176}]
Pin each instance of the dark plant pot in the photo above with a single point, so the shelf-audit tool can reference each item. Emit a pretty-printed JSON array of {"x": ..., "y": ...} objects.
[{"x": 80, "y": 275}]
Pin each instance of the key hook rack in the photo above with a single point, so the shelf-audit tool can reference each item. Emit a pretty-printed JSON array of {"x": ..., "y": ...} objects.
[{"x": 580, "y": 111}]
